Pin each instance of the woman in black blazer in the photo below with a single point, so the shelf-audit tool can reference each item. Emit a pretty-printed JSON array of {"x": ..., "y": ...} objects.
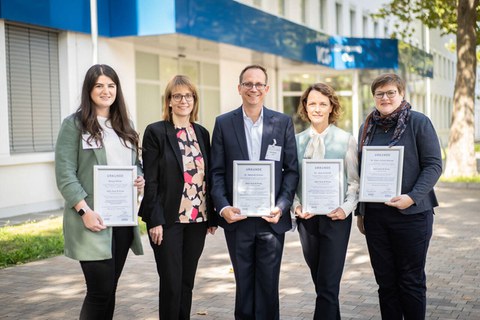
[{"x": 177, "y": 207}]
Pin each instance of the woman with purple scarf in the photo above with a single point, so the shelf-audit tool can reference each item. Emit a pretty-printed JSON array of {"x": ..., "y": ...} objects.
[{"x": 398, "y": 231}]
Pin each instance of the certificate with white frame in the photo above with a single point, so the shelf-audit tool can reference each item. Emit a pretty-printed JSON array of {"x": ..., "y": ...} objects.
[
  {"x": 254, "y": 187},
  {"x": 381, "y": 173},
  {"x": 115, "y": 196},
  {"x": 322, "y": 185}
]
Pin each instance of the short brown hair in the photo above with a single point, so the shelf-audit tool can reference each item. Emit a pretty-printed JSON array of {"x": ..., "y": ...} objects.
[
  {"x": 327, "y": 91},
  {"x": 180, "y": 81},
  {"x": 388, "y": 78},
  {"x": 253, "y": 66}
]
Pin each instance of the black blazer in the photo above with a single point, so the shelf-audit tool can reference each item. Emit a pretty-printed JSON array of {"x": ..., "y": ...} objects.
[{"x": 163, "y": 172}]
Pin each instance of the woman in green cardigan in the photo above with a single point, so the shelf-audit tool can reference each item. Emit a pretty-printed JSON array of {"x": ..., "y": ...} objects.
[{"x": 98, "y": 133}]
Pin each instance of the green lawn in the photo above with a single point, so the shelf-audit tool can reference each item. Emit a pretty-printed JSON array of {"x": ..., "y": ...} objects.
[
  {"x": 30, "y": 241},
  {"x": 33, "y": 241}
]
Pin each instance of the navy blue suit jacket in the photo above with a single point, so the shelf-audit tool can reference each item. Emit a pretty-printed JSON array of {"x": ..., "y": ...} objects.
[
  {"x": 422, "y": 163},
  {"x": 229, "y": 143}
]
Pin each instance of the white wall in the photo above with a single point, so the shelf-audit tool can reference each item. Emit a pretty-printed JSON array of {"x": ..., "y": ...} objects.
[{"x": 28, "y": 180}]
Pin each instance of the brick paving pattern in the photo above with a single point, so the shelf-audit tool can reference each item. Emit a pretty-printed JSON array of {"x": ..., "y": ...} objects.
[{"x": 54, "y": 288}]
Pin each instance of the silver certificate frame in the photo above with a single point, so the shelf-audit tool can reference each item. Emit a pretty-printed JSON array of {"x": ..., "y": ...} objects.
[
  {"x": 254, "y": 187},
  {"x": 381, "y": 173},
  {"x": 322, "y": 185},
  {"x": 115, "y": 196}
]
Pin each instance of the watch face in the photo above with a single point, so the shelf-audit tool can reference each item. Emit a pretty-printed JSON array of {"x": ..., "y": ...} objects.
[{"x": 81, "y": 212}]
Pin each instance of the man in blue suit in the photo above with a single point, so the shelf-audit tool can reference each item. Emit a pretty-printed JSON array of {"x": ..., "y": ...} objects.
[{"x": 255, "y": 244}]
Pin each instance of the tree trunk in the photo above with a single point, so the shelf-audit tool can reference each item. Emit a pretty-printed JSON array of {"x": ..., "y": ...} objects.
[{"x": 461, "y": 154}]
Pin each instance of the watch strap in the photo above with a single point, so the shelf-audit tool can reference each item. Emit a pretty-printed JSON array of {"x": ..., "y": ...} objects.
[{"x": 82, "y": 211}]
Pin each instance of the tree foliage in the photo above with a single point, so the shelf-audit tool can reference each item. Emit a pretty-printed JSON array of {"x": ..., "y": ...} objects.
[
  {"x": 434, "y": 14},
  {"x": 459, "y": 17}
]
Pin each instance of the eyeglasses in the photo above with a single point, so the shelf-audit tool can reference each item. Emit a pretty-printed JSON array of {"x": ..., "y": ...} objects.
[
  {"x": 390, "y": 94},
  {"x": 250, "y": 85},
  {"x": 178, "y": 97}
]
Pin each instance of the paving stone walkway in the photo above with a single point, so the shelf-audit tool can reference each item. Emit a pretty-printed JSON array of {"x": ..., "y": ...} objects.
[{"x": 54, "y": 288}]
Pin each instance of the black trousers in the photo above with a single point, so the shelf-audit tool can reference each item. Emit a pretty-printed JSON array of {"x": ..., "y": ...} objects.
[
  {"x": 102, "y": 277},
  {"x": 324, "y": 245},
  {"x": 398, "y": 246},
  {"x": 177, "y": 260},
  {"x": 256, "y": 254}
]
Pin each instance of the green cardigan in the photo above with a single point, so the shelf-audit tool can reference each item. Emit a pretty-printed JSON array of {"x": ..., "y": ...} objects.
[{"x": 74, "y": 174}]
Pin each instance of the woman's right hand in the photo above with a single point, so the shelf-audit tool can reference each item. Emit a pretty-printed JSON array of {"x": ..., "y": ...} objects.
[
  {"x": 93, "y": 221},
  {"x": 302, "y": 215},
  {"x": 156, "y": 234},
  {"x": 360, "y": 225}
]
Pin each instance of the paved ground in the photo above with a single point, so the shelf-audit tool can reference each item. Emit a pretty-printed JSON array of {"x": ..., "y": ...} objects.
[{"x": 54, "y": 288}]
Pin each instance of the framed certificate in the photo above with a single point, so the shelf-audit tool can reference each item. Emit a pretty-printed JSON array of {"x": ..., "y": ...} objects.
[
  {"x": 381, "y": 173},
  {"x": 254, "y": 187},
  {"x": 115, "y": 196},
  {"x": 322, "y": 185}
]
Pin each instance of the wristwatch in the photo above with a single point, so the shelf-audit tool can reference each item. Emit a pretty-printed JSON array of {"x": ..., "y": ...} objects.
[{"x": 82, "y": 211}]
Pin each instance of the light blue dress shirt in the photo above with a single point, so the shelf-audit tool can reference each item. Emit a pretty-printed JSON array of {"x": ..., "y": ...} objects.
[{"x": 253, "y": 133}]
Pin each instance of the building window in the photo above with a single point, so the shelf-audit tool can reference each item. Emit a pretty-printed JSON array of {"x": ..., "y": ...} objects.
[
  {"x": 33, "y": 88},
  {"x": 376, "y": 31},
  {"x": 281, "y": 8},
  {"x": 303, "y": 11},
  {"x": 323, "y": 15},
  {"x": 353, "y": 18},
  {"x": 365, "y": 26},
  {"x": 153, "y": 72},
  {"x": 339, "y": 20}
]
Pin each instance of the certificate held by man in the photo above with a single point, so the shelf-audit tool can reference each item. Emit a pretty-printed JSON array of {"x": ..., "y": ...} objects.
[
  {"x": 254, "y": 187},
  {"x": 115, "y": 195}
]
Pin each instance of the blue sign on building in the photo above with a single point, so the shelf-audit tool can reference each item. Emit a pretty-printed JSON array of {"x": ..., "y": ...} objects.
[{"x": 224, "y": 21}]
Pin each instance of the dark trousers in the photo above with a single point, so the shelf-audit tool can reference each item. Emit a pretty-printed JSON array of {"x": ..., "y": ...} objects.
[
  {"x": 102, "y": 277},
  {"x": 398, "y": 246},
  {"x": 177, "y": 260},
  {"x": 256, "y": 253},
  {"x": 324, "y": 245}
]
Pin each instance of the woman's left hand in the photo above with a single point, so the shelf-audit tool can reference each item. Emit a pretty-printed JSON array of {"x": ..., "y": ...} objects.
[
  {"x": 337, "y": 214},
  {"x": 400, "y": 202},
  {"x": 139, "y": 183},
  {"x": 211, "y": 230}
]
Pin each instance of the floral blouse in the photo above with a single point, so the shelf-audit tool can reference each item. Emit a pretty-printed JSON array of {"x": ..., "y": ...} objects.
[{"x": 193, "y": 204}]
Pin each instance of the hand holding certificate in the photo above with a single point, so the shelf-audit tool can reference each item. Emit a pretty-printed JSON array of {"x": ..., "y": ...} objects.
[
  {"x": 115, "y": 196},
  {"x": 322, "y": 185},
  {"x": 254, "y": 187},
  {"x": 381, "y": 174}
]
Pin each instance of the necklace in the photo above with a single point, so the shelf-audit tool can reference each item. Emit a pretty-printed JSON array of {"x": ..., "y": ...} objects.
[{"x": 385, "y": 129}]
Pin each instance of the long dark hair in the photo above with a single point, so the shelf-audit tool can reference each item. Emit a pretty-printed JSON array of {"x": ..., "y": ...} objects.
[{"x": 118, "y": 114}]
